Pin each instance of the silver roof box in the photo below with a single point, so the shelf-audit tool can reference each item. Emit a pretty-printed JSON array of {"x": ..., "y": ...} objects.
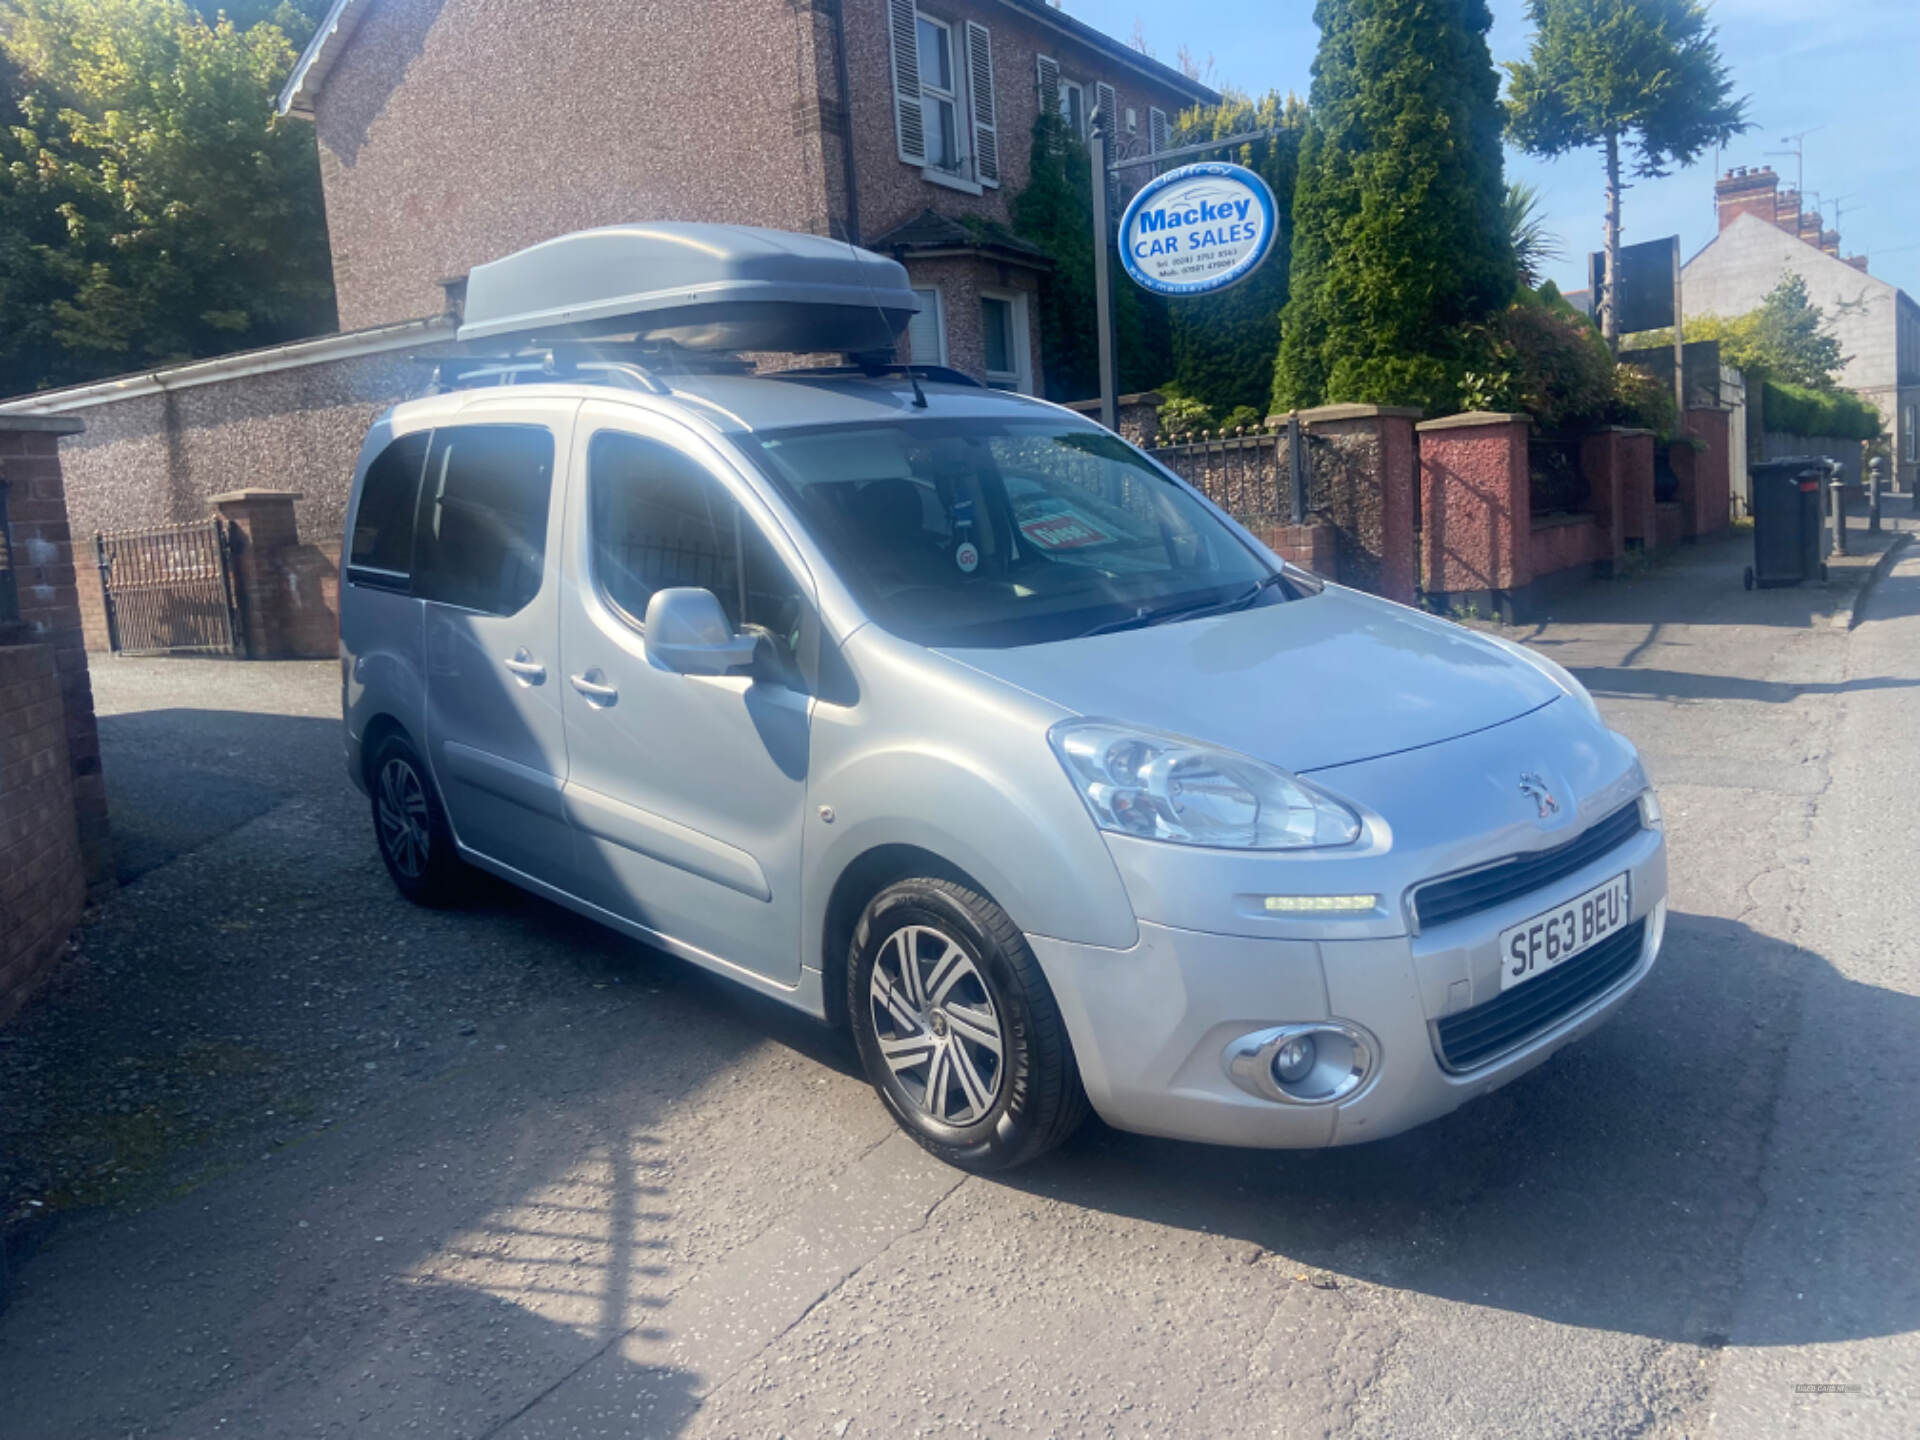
[{"x": 706, "y": 287}]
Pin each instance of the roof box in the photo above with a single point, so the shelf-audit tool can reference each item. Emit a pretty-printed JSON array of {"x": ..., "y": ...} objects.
[{"x": 707, "y": 287}]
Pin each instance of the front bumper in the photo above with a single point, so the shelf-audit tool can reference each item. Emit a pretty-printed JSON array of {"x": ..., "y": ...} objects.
[{"x": 1151, "y": 1024}]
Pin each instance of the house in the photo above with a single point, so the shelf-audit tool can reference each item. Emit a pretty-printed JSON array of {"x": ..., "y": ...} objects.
[
  {"x": 1764, "y": 235},
  {"x": 452, "y": 132}
]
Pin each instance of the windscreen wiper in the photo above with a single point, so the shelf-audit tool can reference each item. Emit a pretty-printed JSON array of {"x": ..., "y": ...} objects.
[{"x": 1189, "y": 610}]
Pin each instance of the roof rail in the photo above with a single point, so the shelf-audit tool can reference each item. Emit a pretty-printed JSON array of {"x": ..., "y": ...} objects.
[
  {"x": 873, "y": 369},
  {"x": 629, "y": 366}
]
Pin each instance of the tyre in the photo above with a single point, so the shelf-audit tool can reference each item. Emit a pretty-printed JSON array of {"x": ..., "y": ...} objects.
[
  {"x": 957, "y": 1028},
  {"x": 411, "y": 827}
]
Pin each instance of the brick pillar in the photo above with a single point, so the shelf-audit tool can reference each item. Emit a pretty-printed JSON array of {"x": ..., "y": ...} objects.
[
  {"x": 263, "y": 531},
  {"x": 1624, "y": 455},
  {"x": 42, "y": 875},
  {"x": 1476, "y": 508},
  {"x": 1365, "y": 482},
  {"x": 49, "y": 605},
  {"x": 1136, "y": 417},
  {"x": 1706, "y": 496}
]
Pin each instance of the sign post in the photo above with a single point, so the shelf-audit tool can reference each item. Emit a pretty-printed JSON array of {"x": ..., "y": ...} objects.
[
  {"x": 1103, "y": 273},
  {"x": 1191, "y": 231}
]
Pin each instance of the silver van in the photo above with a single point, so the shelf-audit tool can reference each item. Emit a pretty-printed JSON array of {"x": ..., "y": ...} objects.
[{"x": 947, "y": 716}]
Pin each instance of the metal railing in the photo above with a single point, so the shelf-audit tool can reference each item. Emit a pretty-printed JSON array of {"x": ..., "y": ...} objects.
[{"x": 169, "y": 590}]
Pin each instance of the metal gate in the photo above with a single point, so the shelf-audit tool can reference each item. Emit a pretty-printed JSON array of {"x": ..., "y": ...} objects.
[{"x": 169, "y": 590}]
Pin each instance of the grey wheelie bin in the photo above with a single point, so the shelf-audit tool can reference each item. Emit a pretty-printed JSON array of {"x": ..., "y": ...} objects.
[{"x": 1787, "y": 520}]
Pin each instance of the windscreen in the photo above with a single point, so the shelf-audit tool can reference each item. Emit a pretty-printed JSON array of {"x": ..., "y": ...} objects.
[{"x": 1007, "y": 532}]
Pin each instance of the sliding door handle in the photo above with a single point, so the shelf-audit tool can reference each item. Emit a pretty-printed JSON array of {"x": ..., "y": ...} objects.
[
  {"x": 524, "y": 668},
  {"x": 594, "y": 686}
]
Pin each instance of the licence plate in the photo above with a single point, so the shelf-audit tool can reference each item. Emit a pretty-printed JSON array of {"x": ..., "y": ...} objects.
[{"x": 1536, "y": 946}]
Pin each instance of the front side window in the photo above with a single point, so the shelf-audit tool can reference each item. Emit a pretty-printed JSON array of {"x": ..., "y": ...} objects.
[
  {"x": 659, "y": 519},
  {"x": 381, "y": 551},
  {"x": 1007, "y": 532},
  {"x": 481, "y": 535},
  {"x": 940, "y": 95}
]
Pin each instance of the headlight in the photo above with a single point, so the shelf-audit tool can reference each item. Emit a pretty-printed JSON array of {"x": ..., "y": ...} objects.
[{"x": 1160, "y": 787}]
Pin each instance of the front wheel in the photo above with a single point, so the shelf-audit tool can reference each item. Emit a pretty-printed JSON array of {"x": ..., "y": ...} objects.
[{"x": 957, "y": 1028}]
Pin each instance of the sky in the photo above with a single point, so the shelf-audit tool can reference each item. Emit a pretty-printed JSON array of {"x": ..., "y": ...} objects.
[{"x": 1842, "y": 70}]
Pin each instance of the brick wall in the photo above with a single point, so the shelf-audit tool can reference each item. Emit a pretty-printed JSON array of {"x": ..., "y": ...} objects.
[
  {"x": 289, "y": 591},
  {"x": 49, "y": 613},
  {"x": 42, "y": 880}
]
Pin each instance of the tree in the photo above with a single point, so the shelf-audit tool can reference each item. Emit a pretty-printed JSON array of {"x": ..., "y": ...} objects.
[
  {"x": 1610, "y": 73},
  {"x": 1533, "y": 244},
  {"x": 1224, "y": 345},
  {"x": 1399, "y": 240},
  {"x": 152, "y": 206},
  {"x": 1786, "y": 339},
  {"x": 1055, "y": 213}
]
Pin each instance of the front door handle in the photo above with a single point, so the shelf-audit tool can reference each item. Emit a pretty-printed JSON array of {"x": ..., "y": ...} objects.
[
  {"x": 524, "y": 668},
  {"x": 594, "y": 686}
]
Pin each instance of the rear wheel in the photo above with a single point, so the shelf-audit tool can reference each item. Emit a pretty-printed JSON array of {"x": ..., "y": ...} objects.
[
  {"x": 411, "y": 827},
  {"x": 957, "y": 1028}
]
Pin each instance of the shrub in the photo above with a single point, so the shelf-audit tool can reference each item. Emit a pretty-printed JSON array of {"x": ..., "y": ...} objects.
[{"x": 1798, "y": 410}]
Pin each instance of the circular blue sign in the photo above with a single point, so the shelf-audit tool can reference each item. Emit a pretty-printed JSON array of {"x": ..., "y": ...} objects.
[{"x": 1198, "y": 229}]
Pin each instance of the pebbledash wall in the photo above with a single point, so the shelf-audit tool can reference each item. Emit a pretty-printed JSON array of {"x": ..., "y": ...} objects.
[{"x": 162, "y": 448}]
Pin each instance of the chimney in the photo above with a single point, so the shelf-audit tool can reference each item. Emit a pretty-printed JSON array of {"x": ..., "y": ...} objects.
[
  {"x": 1830, "y": 242},
  {"x": 1786, "y": 212},
  {"x": 1858, "y": 262},
  {"x": 1747, "y": 192}
]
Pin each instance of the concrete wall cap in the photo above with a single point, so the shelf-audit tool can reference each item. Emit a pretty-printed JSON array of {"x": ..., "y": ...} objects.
[
  {"x": 1475, "y": 417},
  {"x": 1621, "y": 430},
  {"x": 234, "y": 497},
  {"x": 41, "y": 424},
  {"x": 1325, "y": 413}
]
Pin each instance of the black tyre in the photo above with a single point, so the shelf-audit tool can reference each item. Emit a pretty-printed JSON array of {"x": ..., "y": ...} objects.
[
  {"x": 411, "y": 827},
  {"x": 957, "y": 1029}
]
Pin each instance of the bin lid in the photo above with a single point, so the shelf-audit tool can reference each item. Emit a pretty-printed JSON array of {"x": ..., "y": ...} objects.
[{"x": 707, "y": 287}]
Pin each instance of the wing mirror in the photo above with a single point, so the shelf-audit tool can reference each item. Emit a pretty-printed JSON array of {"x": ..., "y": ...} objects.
[{"x": 688, "y": 632}]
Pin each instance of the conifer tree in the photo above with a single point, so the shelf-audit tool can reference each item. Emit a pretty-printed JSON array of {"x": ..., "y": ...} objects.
[{"x": 1400, "y": 246}]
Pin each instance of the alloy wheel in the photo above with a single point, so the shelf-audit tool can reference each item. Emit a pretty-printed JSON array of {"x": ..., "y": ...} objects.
[
  {"x": 937, "y": 1025},
  {"x": 405, "y": 831}
]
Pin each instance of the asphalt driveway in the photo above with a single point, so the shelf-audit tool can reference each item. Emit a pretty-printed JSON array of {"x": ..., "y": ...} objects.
[{"x": 287, "y": 1156}]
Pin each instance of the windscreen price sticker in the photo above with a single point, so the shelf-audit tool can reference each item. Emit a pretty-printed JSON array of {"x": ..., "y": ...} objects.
[{"x": 1198, "y": 229}]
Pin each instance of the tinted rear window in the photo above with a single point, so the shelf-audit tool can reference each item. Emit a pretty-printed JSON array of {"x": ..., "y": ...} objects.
[{"x": 383, "y": 525}]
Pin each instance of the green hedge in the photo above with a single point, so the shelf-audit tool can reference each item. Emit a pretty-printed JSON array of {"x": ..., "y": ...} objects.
[{"x": 1796, "y": 410}]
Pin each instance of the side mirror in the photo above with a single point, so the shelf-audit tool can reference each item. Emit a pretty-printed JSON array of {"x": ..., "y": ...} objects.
[{"x": 688, "y": 632}]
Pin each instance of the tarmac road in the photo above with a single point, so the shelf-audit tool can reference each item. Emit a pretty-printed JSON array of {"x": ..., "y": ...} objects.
[{"x": 324, "y": 1164}]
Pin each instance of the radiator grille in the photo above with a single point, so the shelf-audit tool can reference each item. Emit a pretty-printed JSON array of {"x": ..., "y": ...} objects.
[
  {"x": 1489, "y": 1030},
  {"x": 1455, "y": 898}
]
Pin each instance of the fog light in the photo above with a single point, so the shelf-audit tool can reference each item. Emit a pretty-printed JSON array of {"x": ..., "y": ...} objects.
[
  {"x": 1293, "y": 1061},
  {"x": 1320, "y": 904},
  {"x": 1315, "y": 1063},
  {"x": 1650, "y": 815}
]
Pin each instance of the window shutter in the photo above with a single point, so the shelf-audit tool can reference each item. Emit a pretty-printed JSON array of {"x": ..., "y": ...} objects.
[
  {"x": 986, "y": 134},
  {"x": 1108, "y": 104},
  {"x": 909, "y": 125},
  {"x": 1047, "y": 72},
  {"x": 1157, "y": 131}
]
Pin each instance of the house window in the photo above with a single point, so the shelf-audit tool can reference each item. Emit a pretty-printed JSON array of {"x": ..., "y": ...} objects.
[
  {"x": 1073, "y": 108},
  {"x": 1003, "y": 332},
  {"x": 939, "y": 95},
  {"x": 927, "y": 331}
]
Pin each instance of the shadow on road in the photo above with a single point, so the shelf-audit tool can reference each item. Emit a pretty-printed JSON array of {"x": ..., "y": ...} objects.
[{"x": 1613, "y": 1188}]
